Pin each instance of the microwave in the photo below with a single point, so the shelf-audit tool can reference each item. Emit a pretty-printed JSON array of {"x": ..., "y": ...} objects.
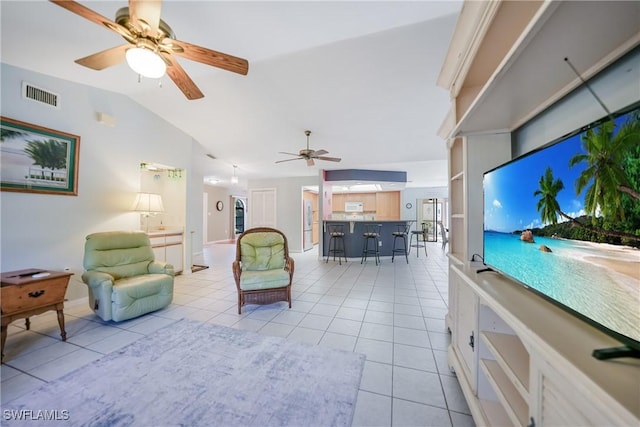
[{"x": 353, "y": 207}]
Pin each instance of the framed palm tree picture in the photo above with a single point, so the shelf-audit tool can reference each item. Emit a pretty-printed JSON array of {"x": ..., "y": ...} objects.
[{"x": 35, "y": 159}]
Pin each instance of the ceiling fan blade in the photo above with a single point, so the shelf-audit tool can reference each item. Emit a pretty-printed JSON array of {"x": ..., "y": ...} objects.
[
  {"x": 183, "y": 81},
  {"x": 212, "y": 57},
  {"x": 288, "y": 160},
  {"x": 92, "y": 16},
  {"x": 106, "y": 58},
  {"x": 145, "y": 14},
  {"x": 320, "y": 152},
  {"x": 291, "y": 154},
  {"x": 329, "y": 159},
  {"x": 310, "y": 162}
]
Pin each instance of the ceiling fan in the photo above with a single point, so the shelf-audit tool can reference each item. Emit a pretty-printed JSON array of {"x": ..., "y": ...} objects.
[
  {"x": 152, "y": 46},
  {"x": 309, "y": 154}
]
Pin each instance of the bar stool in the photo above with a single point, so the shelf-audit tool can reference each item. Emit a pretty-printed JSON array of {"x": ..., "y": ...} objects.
[
  {"x": 371, "y": 234},
  {"x": 401, "y": 233},
  {"x": 336, "y": 231},
  {"x": 417, "y": 234}
]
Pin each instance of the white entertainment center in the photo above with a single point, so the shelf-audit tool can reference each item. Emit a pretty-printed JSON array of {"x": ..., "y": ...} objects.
[{"x": 520, "y": 359}]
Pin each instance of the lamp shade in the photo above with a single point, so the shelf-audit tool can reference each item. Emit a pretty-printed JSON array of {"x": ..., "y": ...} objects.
[
  {"x": 146, "y": 62},
  {"x": 148, "y": 203}
]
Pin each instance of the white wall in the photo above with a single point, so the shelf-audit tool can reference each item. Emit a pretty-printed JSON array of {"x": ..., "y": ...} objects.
[
  {"x": 411, "y": 195},
  {"x": 219, "y": 223},
  {"x": 48, "y": 231},
  {"x": 288, "y": 205}
]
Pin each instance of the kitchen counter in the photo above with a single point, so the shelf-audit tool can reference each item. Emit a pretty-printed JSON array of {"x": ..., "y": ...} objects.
[{"x": 353, "y": 231}]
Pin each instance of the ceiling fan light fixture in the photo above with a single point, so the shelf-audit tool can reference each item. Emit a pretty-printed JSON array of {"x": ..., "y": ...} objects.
[{"x": 146, "y": 62}]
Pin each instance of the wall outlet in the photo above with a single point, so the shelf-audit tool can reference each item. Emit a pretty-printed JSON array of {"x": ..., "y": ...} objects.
[{"x": 379, "y": 242}]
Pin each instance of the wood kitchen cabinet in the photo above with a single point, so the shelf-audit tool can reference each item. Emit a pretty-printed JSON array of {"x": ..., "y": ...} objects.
[{"x": 388, "y": 205}]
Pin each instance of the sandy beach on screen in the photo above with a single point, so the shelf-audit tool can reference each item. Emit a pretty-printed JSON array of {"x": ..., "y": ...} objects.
[
  {"x": 622, "y": 259},
  {"x": 628, "y": 268}
]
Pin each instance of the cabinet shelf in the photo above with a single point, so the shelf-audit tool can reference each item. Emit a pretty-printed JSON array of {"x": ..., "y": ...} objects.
[
  {"x": 514, "y": 405},
  {"x": 495, "y": 413},
  {"x": 512, "y": 357}
]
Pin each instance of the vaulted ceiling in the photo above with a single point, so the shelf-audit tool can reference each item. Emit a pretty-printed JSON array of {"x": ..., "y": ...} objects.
[{"x": 360, "y": 75}]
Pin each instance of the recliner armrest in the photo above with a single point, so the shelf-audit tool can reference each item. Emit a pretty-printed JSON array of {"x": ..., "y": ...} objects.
[
  {"x": 161, "y": 268},
  {"x": 96, "y": 278}
]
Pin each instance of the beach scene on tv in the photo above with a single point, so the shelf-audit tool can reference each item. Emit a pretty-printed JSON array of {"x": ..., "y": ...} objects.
[{"x": 565, "y": 221}]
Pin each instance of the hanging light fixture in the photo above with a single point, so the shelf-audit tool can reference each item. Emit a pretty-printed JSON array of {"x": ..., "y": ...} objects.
[
  {"x": 145, "y": 60},
  {"x": 234, "y": 178}
]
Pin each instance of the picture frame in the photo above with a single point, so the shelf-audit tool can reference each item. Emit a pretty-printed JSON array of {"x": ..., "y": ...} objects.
[{"x": 36, "y": 159}]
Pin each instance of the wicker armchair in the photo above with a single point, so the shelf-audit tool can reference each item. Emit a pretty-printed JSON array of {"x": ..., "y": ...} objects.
[{"x": 263, "y": 270}]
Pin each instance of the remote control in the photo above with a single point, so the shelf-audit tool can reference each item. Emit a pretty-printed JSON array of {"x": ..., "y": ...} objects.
[{"x": 43, "y": 274}]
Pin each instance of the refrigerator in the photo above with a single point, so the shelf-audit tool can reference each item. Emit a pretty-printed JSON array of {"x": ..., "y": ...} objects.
[{"x": 307, "y": 225}]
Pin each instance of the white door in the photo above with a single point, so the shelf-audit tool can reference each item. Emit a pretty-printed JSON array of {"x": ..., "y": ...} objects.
[{"x": 262, "y": 207}]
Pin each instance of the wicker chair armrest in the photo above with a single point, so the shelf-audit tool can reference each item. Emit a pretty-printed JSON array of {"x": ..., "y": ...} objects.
[
  {"x": 289, "y": 265},
  {"x": 236, "y": 267}
]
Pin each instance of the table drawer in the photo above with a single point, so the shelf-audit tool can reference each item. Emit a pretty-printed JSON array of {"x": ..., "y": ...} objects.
[{"x": 31, "y": 295}]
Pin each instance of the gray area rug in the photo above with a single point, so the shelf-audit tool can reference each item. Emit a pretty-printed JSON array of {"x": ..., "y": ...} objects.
[{"x": 199, "y": 374}]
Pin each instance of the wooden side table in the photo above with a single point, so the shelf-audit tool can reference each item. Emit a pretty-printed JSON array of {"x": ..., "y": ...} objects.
[{"x": 29, "y": 292}]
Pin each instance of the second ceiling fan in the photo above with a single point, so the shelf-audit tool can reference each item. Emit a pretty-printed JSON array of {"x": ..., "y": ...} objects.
[
  {"x": 153, "y": 42},
  {"x": 309, "y": 155}
]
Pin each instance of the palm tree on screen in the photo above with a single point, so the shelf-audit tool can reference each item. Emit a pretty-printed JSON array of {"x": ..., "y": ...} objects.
[
  {"x": 604, "y": 176},
  {"x": 549, "y": 208},
  {"x": 548, "y": 204}
]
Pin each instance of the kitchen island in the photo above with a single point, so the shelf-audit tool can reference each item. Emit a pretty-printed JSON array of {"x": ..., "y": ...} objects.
[{"x": 353, "y": 235}]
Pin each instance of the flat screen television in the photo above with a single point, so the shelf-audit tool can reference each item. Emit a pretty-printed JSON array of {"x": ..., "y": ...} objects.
[{"x": 557, "y": 221}]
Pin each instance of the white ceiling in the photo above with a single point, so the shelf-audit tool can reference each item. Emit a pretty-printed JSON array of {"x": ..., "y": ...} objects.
[{"x": 360, "y": 75}]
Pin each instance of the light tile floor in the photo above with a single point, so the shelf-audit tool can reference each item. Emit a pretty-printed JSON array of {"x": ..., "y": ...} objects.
[{"x": 394, "y": 313}]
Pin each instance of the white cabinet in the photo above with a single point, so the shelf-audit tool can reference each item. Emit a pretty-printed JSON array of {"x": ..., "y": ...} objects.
[
  {"x": 168, "y": 246},
  {"x": 463, "y": 329},
  {"x": 531, "y": 360},
  {"x": 531, "y": 363}
]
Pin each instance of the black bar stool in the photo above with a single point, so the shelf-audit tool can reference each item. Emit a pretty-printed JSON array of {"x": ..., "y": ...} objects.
[
  {"x": 371, "y": 234},
  {"x": 419, "y": 233},
  {"x": 401, "y": 233},
  {"x": 336, "y": 243}
]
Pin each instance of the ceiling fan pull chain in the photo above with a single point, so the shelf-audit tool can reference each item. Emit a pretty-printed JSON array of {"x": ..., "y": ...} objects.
[{"x": 139, "y": 78}]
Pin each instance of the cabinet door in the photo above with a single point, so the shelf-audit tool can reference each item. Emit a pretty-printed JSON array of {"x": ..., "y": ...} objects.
[
  {"x": 174, "y": 257},
  {"x": 388, "y": 205},
  {"x": 159, "y": 254},
  {"x": 337, "y": 202},
  {"x": 563, "y": 401},
  {"x": 465, "y": 332},
  {"x": 369, "y": 202}
]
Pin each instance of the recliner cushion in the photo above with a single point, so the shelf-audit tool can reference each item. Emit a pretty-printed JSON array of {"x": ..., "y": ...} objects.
[
  {"x": 121, "y": 254},
  {"x": 251, "y": 280},
  {"x": 262, "y": 251}
]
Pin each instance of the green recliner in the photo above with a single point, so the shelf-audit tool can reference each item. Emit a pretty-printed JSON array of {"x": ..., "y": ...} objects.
[{"x": 123, "y": 278}]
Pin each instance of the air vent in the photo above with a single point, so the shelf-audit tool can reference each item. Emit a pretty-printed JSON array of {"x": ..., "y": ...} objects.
[{"x": 38, "y": 94}]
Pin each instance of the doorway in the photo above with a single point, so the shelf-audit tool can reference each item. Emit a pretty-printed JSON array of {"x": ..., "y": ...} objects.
[
  {"x": 239, "y": 214},
  {"x": 430, "y": 213}
]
